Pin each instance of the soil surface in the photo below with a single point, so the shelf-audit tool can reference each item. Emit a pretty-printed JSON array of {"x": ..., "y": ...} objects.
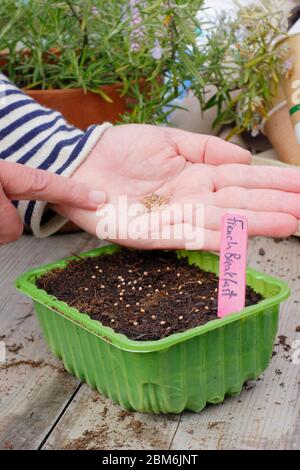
[{"x": 144, "y": 295}]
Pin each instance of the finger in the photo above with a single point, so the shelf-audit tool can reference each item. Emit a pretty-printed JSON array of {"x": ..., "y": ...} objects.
[
  {"x": 209, "y": 240},
  {"x": 284, "y": 179},
  {"x": 157, "y": 238},
  {"x": 268, "y": 200},
  {"x": 266, "y": 224},
  {"x": 263, "y": 223},
  {"x": 199, "y": 148},
  {"x": 21, "y": 182},
  {"x": 11, "y": 227},
  {"x": 188, "y": 210},
  {"x": 168, "y": 229}
]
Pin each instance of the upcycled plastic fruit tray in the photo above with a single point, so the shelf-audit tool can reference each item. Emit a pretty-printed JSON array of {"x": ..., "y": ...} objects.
[{"x": 183, "y": 371}]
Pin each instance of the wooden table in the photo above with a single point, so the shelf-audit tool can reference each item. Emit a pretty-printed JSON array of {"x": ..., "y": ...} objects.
[{"x": 43, "y": 407}]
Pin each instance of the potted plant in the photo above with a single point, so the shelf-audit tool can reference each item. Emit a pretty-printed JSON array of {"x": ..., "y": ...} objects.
[
  {"x": 246, "y": 60},
  {"x": 141, "y": 327},
  {"x": 97, "y": 60}
]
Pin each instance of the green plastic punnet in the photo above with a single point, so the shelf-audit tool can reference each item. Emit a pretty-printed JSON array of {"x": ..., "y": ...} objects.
[{"x": 183, "y": 371}]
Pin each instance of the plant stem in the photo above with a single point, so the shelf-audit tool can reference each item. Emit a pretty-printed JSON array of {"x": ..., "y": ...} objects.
[
  {"x": 83, "y": 28},
  {"x": 172, "y": 30}
]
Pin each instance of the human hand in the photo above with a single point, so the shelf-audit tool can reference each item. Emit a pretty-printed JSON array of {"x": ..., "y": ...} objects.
[
  {"x": 23, "y": 183},
  {"x": 138, "y": 160}
]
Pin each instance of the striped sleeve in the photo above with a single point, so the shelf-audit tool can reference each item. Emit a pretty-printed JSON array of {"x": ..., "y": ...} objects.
[{"x": 40, "y": 138}]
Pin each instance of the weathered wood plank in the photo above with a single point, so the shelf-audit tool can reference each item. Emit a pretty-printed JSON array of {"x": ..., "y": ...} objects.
[
  {"x": 267, "y": 415},
  {"x": 34, "y": 388},
  {"x": 95, "y": 422}
]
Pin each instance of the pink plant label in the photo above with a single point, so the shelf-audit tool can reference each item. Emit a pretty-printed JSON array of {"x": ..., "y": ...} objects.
[{"x": 233, "y": 260}]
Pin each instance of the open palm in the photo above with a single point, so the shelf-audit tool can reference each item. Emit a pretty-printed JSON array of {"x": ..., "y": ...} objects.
[{"x": 138, "y": 160}]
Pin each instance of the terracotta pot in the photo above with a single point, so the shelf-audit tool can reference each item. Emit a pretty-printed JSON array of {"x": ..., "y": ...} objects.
[
  {"x": 79, "y": 108},
  {"x": 83, "y": 109}
]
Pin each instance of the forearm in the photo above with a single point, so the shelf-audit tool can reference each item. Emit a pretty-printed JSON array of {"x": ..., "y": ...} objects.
[{"x": 40, "y": 138}]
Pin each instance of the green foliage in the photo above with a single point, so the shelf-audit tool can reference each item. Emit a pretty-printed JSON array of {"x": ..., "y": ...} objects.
[
  {"x": 88, "y": 43},
  {"x": 245, "y": 62}
]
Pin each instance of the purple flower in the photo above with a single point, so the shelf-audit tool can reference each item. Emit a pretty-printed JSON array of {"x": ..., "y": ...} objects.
[
  {"x": 136, "y": 21},
  {"x": 136, "y": 16},
  {"x": 135, "y": 47},
  {"x": 157, "y": 51},
  {"x": 95, "y": 11}
]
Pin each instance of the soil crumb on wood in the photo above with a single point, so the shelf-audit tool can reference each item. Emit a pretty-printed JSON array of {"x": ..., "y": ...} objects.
[
  {"x": 215, "y": 423},
  {"x": 15, "y": 348},
  {"x": 101, "y": 437},
  {"x": 123, "y": 414},
  {"x": 144, "y": 295},
  {"x": 104, "y": 412},
  {"x": 30, "y": 363},
  {"x": 136, "y": 426},
  {"x": 282, "y": 341},
  {"x": 90, "y": 440},
  {"x": 30, "y": 338},
  {"x": 8, "y": 445}
]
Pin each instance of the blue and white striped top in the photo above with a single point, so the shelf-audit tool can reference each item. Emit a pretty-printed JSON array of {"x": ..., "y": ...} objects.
[{"x": 40, "y": 138}]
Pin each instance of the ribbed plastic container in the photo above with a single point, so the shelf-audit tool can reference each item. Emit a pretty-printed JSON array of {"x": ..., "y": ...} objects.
[{"x": 183, "y": 371}]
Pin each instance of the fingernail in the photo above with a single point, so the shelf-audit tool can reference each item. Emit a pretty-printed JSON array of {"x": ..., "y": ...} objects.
[{"x": 97, "y": 197}]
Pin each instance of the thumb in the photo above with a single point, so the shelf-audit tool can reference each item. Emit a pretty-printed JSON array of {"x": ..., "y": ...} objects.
[
  {"x": 200, "y": 148},
  {"x": 11, "y": 227},
  {"x": 21, "y": 182}
]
